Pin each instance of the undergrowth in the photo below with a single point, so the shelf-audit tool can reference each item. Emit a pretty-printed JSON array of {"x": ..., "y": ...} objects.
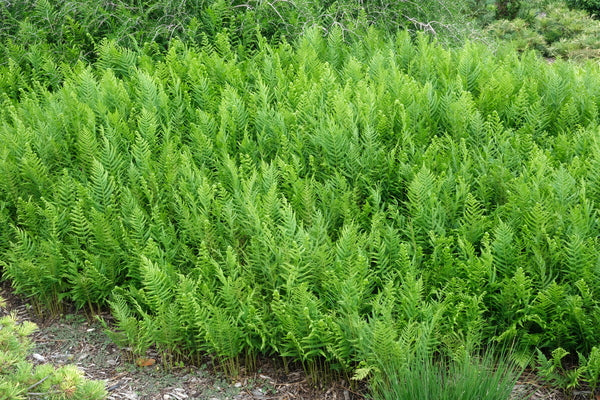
[{"x": 71, "y": 29}]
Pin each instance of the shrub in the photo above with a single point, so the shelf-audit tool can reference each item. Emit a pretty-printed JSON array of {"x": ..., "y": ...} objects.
[
  {"x": 569, "y": 33},
  {"x": 584, "y": 46},
  {"x": 554, "y": 30},
  {"x": 519, "y": 33},
  {"x": 507, "y": 9},
  {"x": 591, "y": 6},
  {"x": 560, "y": 23}
]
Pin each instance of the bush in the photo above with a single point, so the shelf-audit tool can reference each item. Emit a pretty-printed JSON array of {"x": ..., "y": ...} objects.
[
  {"x": 591, "y": 6},
  {"x": 559, "y": 23},
  {"x": 553, "y": 30},
  {"x": 519, "y": 33},
  {"x": 584, "y": 46}
]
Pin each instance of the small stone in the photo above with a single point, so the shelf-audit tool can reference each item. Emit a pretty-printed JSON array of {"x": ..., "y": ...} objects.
[
  {"x": 238, "y": 384},
  {"x": 39, "y": 357},
  {"x": 179, "y": 394}
]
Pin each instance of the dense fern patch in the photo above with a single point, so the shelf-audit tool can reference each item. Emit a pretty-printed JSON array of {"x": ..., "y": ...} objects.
[{"x": 320, "y": 201}]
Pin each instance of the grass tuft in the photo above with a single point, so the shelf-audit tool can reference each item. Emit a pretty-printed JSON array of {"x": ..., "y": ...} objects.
[{"x": 424, "y": 377}]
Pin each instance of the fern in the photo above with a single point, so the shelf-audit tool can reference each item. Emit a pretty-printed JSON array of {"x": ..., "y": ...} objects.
[
  {"x": 579, "y": 259},
  {"x": 34, "y": 174},
  {"x": 147, "y": 92},
  {"x": 156, "y": 283},
  {"x": 88, "y": 284},
  {"x": 504, "y": 250},
  {"x": 120, "y": 60},
  {"x": 473, "y": 223},
  {"x": 422, "y": 206},
  {"x": 128, "y": 328},
  {"x": 87, "y": 87},
  {"x": 341, "y": 203},
  {"x": 86, "y": 147},
  {"x": 191, "y": 314},
  {"x": 79, "y": 222},
  {"x": 103, "y": 188}
]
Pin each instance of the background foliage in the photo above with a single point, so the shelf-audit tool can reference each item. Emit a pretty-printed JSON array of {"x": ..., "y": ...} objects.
[
  {"x": 73, "y": 28},
  {"x": 592, "y": 6},
  {"x": 553, "y": 30}
]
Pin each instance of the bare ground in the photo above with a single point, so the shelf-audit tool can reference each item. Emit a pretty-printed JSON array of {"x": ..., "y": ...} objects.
[{"x": 74, "y": 339}]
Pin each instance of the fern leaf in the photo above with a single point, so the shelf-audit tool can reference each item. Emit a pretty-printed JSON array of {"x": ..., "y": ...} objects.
[
  {"x": 157, "y": 284},
  {"x": 103, "y": 188}
]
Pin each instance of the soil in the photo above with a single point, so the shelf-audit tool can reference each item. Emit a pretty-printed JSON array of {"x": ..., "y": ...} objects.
[{"x": 76, "y": 339}]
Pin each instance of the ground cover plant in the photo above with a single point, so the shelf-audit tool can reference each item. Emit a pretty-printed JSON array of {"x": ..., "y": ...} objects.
[{"x": 335, "y": 204}]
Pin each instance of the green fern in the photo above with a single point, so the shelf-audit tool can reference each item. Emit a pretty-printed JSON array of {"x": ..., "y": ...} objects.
[
  {"x": 337, "y": 202},
  {"x": 111, "y": 56},
  {"x": 157, "y": 285},
  {"x": 103, "y": 188},
  {"x": 504, "y": 249}
]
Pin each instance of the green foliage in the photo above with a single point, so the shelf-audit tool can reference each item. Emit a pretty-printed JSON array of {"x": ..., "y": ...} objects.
[
  {"x": 330, "y": 202},
  {"x": 507, "y": 9},
  {"x": 472, "y": 377},
  {"x": 591, "y": 6},
  {"x": 519, "y": 33},
  {"x": 19, "y": 379},
  {"x": 32, "y": 29},
  {"x": 553, "y": 29}
]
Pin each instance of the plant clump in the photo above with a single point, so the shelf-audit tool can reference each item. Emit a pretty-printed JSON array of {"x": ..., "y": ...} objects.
[{"x": 553, "y": 30}]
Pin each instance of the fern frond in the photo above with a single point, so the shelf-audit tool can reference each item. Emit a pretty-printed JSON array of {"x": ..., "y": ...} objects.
[
  {"x": 504, "y": 249},
  {"x": 87, "y": 88},
  {"x": 79, "y": 222},
  {"x": 111, "y": 56},
  {"x": 156, "y": 283},
  {"x": 473, "y": 223},
  {"x": 111, "y": 158},
  {"x": 103, "y": 188}
]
